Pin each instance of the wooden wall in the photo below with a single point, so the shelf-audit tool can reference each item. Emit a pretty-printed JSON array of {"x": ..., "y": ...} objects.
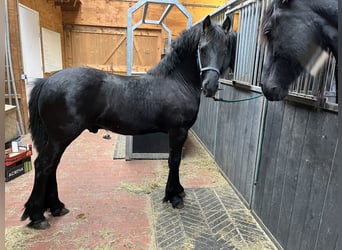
[
  {"x": 105, "y": 48},
  {"x": 298, "y": 162},
  {"x": 50, "y": 15},
  {"x": 230, "y": 132},
  {"x": 293, "y": 189},
  {"x": 114, "y": 13},
  {"x": 99, "y": 28}
]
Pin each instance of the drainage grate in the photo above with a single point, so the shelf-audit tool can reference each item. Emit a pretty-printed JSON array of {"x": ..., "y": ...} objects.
[{"x": 212, "y": 218}]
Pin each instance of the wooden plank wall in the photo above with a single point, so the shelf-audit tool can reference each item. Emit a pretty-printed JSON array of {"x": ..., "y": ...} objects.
[
  {"x": 105, "y": 48},
  {"x": 99, "y": 28},
  {"x": 114, "y": 13},
  {"x": 230, "y": 132},
  {"x": 51, "y": 18},
  {"x": 293, "y": 196},
  {"x": 300, "y": 174}
]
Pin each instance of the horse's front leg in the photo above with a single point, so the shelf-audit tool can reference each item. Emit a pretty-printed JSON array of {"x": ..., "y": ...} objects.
[{"x": 174, "y": 192}]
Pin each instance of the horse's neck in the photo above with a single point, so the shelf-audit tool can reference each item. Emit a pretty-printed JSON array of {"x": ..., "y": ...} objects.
[
  {"x": 327, "y": 24},
  {"x": 188, "y": 71},
  {"x": 328, "y": 10}
]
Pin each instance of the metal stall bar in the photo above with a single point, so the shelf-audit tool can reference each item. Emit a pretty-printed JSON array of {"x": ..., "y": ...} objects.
[
  {"x": 10, "y": 74},
  {"x": 131, "y": 27},
  {"x": 238, "y": 50},
  {"x": 166, "y": 12},
  {"x": 152, "y": 138},
  {"x": 247, "y": 39},
  {"x": 260, "y": 50},
  {"x": 255, "y": 25}
]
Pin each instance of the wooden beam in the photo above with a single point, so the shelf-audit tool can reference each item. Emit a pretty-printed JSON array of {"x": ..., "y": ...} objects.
[{"x": 123, "y": 38}]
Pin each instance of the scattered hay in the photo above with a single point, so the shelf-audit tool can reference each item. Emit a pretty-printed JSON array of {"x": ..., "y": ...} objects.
[
  {"x": 109, "y": 238},
  {"x": 141, "y": 188},
  {"x": 128, "y": 244},
  {"x": 188, "y": 245},
  {"x": 18, "y": 237},
  {"x": 146, "y": 187},
  {"x": 256, "y": 244}
]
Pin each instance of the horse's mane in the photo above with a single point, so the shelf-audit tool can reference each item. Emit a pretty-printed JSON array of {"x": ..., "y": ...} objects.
[
  {"x": 187, "y": 41},
  {"x": 268, "y": 13},
  {"x": 232, "y": 36}
]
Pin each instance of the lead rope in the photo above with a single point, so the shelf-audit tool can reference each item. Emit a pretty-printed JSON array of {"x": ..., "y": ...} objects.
[{"x": 238, "y": 100}]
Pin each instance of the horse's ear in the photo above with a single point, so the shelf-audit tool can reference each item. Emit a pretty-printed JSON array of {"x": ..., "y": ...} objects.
[
  {"x": 206, "y": 23},
  {"x": 226, "y": 24}
]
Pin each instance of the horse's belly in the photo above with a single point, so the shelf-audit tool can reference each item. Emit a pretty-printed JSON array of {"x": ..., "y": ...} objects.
[{"x": 130, "y": 126}]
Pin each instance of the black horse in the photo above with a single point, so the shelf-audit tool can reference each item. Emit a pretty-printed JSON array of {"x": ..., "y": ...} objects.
[
  {"x": 294, "y": 31},
  {"x": 166, "y": 99}
]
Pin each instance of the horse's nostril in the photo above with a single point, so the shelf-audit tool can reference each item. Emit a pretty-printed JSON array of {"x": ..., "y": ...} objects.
[{"x": 274, "y": 90}]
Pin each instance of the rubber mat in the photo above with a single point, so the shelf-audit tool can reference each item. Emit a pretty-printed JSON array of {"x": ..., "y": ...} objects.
[{"x": 212, "y": 218}]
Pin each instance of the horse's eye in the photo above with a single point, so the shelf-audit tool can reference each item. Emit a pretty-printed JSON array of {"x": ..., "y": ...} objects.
[
  {"x": 268, "y": 33},
  {"x": 202, "y": 49}
]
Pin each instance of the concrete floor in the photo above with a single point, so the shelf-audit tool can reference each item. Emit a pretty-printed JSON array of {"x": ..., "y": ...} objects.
[{"x": 109, "y": 200}]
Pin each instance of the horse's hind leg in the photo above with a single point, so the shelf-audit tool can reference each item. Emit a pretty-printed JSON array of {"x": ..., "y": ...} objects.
[
  {"x": 44, "y": 194},
  {"x": 52, "y": 202},
  {"x": 174, "y": 191}
]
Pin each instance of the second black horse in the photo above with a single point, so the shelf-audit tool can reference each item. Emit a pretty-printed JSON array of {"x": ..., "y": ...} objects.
[{"x": 294, "y": 31}]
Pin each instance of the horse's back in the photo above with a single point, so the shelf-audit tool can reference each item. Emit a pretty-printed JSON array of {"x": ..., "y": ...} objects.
[{"x": 80, "y": 98}]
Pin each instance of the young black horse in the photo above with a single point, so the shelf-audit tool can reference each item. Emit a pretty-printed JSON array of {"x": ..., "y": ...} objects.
[
  {"x": 166, "y": 99},
  {"x": 294, "y": 31}
]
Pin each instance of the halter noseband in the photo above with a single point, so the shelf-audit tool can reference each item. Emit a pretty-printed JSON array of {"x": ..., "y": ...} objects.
[{"x": 205, "y": 68}]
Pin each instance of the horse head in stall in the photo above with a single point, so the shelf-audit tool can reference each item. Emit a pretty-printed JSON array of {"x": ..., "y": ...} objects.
[{"x": 294, "y": 31}]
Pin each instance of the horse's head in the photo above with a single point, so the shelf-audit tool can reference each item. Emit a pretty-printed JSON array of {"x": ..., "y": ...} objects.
[
  {"x": 213, "y": 58},
  {"x": 291, "y": 41}
]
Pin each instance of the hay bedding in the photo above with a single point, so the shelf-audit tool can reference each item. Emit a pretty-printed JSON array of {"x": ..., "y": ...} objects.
[{"x": 18, "y": 237}]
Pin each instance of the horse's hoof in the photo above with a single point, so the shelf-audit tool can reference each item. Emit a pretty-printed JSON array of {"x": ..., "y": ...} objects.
[
  {"x": 24, "y": 216},
  {"x": 41, "y": 225},
  {"x": 177, "y": 202},
  {"x": 60, "y": 212},
  {"x": 182, "y": 194}
]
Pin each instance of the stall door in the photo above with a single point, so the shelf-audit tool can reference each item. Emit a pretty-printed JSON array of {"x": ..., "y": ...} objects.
[{"x": 30, "y": 45}]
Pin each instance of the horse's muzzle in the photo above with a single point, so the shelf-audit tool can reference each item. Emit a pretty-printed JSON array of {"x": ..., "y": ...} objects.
[
  {"x": 273, "y": 92},
  {"x": 209, "y": 90}
]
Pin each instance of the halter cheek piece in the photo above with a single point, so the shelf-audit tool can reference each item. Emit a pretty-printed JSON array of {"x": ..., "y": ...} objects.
[{"x": 205, "y": 68}]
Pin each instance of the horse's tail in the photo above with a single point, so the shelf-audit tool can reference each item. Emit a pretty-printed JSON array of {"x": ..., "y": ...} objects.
[{"x": 37, "y": 127}]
